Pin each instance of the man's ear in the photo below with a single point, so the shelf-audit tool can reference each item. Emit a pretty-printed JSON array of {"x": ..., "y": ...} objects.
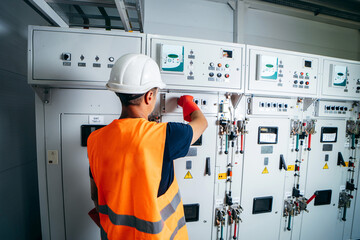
[{"x": 149, "y": 96}]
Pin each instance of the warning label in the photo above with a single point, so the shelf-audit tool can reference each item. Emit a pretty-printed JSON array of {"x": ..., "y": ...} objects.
[
  {"x": 265, "y": 171},
  {"x": 326, "y": 166},
  {"x": 222, "y": 176},
  {"x": 291, "y": 167},
  {"x": 188, "y": 175}
]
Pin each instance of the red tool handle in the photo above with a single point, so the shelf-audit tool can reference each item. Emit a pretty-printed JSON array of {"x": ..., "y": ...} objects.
[
  {"x": 309, "y": 143},
  {"x": 242, "y": 143},
  {"x": 235, "y": 231},
  {"x": 310, "y": 199}
]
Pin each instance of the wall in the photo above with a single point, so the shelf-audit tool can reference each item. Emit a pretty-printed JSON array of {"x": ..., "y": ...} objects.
[
  {"x": 19, "y": 198},
  {"x": 268, "y": 29},
  {"x": 189, "y": 18}
]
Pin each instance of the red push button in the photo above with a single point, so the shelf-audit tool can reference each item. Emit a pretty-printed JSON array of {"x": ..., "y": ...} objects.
[{"x": 227, "y": 75}]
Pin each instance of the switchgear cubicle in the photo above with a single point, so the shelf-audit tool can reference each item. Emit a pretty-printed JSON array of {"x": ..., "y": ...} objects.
[{"x": 277, "y": 161}]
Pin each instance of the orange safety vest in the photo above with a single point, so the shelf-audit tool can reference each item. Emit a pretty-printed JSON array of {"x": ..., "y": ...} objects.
[{"x": 126, "y": 160}]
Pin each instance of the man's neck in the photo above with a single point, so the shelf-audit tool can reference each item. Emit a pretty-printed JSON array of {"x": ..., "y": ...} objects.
[{"x": 133, "y": 112}]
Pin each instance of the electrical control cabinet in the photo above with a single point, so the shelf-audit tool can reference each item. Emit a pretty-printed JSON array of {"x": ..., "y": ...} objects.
[
  {"x": 279, "y": 72},
  {"x": 341, "y": 79},
  {"x": 279, "y": 159},
  {"x": 264, "y": 170},
  {"x": 198, "y": 64},
  {"x": 77, "y": 57},
  {"x": 195, "y": 172}
]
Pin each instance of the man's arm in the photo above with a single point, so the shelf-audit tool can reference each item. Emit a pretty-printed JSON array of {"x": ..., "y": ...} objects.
[
  {"x": 198, "y": 124},
  {"x": 94, "y": 193},
  {"x": 194, "y": 116}
]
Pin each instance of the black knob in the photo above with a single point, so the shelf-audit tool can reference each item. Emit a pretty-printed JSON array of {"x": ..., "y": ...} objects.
[
  {"x": 345, "y": 108},
  {"x": 332, "y": 108},
  {"x": 301, "y": 82},
  {"x": 218, "y": 75},
  {"x": 211, "y": 74},
  {"x": 296, "y": 81},
  {"x": 286, "y": 106}
]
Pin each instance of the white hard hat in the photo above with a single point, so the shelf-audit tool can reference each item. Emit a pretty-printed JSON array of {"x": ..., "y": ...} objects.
[{"x": 134, "y": 74}]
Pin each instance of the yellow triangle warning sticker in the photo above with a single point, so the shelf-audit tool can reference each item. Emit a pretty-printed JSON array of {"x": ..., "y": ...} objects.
[
  {"x": 265, "y": 171},
  {"x": 188, "y": 175},
  {"x": 326, "y": 166}
]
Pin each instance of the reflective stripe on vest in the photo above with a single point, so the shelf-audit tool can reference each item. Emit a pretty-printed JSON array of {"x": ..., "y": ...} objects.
[{"x": 142, "y": 225}]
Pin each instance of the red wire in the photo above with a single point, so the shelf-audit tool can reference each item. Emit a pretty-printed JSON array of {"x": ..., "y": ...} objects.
[{"x": 309, "y": 142}]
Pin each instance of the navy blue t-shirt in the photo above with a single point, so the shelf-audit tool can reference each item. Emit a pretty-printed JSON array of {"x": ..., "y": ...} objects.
[{"x": 177, "y": 144}]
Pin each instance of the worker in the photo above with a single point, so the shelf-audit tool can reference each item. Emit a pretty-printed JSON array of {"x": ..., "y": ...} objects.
[{"x": 134, "y": 187}]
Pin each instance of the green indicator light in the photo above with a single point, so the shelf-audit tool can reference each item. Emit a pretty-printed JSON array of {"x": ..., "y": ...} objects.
[
  {"x": 340, "y": 74},
  {"x": 173, "y": 56},
  {"x": 227, "y": 65},
  {"x": 269, "y": 65},
  {"x": 307, "y": 74}
]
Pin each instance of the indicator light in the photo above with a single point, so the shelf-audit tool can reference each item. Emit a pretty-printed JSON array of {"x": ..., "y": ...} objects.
[
  {"x": 301, "y": 73},
  {"x": 307, "y": 83},
  {"x": 212, "y": 64},
  {"x": 227, "y": 75},
  {"x": 219, "y": 64},
  {"x": 227, "y": 65}
]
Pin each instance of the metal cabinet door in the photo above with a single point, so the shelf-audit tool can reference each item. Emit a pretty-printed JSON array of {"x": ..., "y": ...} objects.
[
  {"x": 323, "y": 173},
  {"x": 76, "y": 181},
  {"x": 199, "y": 188},
  {"x": 262, "y": 179}
]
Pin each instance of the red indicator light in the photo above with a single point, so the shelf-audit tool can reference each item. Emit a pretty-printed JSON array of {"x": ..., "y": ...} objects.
[{"x": 227, "y": 75}]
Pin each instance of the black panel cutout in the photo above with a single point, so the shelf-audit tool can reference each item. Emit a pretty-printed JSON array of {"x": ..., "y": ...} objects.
[
  {"x": 262, "y": 205},
  {"x": 198, "y": 142},
  {"x": 327, "y": 147},
  {"x": 323, "y": 197},
  {"x": 86, "y": 130},
  {"x": 307, "y": 64},
  {"x": 329, "y": 134},
  {"x": 267, "y": 135},
  {"x": 191, "y": 212}
]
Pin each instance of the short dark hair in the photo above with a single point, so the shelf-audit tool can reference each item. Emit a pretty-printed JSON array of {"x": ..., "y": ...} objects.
[{"x": 132, "y": 99}]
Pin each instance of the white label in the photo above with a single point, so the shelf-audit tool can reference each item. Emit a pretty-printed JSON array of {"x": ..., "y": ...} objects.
[
  {"x": 53, "y": 156},
  {"x": 93, "y": 119},
  {"x": 288, "y": 194},
  {"x": 267, "y": 137},
  {"x": 302, "y": 192},
  {"x": 219, "y": 201},
  {"x": 236, "y": 200},
  {"x": 329, "y": 137},
  {"x": 342, "y": 187}
]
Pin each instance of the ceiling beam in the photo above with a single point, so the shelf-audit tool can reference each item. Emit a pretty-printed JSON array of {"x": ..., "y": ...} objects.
[
  {"x": 120, "y": 5},
  {"x": 139, "y": 9},
  {"x": 44, "y": 8}
]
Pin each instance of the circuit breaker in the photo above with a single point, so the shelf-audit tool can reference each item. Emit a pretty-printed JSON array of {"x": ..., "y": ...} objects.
[
  {"x": 197, "y": 64},
  {"x": 279, "y": 72}
]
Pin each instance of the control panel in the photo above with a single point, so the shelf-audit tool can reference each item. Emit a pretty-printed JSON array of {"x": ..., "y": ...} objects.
[
  {"x": 64, "y": 57},
  {"x": 341, "y": 79},
  {"x": 335, "y": 109},
  {"x": 190, "y": 63},
  {"x": 281, "y": 72},
  {"x": 272, "y": 106}
]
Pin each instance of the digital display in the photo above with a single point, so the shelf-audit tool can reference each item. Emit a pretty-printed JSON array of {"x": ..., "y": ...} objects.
[
  {"x": 227, "y": 53},
  {"x": 328, "y": 134},
  {"x": 308, "y": 63},
  {"x": 267, "y": 135},
  {"x": 262, "y": 205}
]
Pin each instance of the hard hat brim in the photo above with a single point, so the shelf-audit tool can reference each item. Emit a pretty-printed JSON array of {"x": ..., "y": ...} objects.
[{"x": 115, "y": 87}]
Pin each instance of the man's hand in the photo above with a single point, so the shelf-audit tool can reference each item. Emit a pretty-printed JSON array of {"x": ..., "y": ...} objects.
[
  {"x": 193, "y": 115},
  {"x": 186, "y": 102}
]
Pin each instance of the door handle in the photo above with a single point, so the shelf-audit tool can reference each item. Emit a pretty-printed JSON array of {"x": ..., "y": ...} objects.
[{"x": 282, "y": 164}]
